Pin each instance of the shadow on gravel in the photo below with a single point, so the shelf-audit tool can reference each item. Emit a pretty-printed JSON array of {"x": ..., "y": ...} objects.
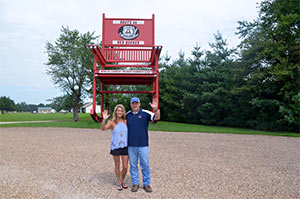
[
  {"x": 105, "y": 178},
  {"x": 108, "y": 178}
]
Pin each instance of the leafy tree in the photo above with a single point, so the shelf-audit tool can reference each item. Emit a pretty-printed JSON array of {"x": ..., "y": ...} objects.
[
  {"x": 6, "y": 104},
  {"x": 62, "y": 103},
  {"x": 23, "y": 107},
  {"x": 215, "y": 83},
  {"x": 171, "y": 92},
  {"x": 70, "y": 64},
  {"x": 41, "y": 105},
  {"x": 260, "y": 89},
  {"x": 270, "y": 55},
  {"x": 177, "y": 90}
]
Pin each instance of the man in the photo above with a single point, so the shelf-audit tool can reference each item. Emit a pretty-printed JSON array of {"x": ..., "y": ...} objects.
[{"x": 138, "y": 146}]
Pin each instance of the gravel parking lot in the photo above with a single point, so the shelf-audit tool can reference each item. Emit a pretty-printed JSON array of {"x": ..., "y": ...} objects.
[{"x": 72, "y": 163}]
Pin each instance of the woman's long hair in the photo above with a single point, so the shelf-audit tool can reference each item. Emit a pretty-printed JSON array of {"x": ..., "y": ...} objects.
[{"x": 114, "y": 118}]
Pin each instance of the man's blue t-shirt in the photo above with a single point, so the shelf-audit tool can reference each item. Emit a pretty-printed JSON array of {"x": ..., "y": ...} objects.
[{"x": 137, "y": 124}]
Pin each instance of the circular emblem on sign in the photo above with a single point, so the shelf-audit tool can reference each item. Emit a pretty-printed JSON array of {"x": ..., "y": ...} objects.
[{"x": 129, "y": 32}]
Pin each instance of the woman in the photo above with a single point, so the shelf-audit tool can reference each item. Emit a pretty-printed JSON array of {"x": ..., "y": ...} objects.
[{"x": 118, "y": 146}]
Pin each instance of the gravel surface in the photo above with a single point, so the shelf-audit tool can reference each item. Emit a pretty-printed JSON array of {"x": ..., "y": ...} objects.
[{"x": 75, "y": 163}]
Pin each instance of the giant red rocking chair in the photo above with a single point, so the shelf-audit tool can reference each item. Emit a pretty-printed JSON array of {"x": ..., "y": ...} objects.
[{"x": 126, "y": 43}]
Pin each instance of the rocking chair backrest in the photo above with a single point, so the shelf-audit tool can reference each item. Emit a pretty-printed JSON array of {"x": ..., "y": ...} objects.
[{"x": 127, "y": 40}]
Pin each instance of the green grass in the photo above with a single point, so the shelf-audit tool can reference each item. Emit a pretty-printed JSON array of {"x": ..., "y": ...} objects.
[
  {"x": 65, "y": 120},
  {"x": 182, "y": 127},
  {"x": 83, "y": 123},
  {"x": 37, "y": 117}
]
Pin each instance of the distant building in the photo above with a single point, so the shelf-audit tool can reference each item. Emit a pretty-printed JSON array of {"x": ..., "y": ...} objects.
[
  {"x": 87, "y": 107},
  {"x": 45, "y": 110}
]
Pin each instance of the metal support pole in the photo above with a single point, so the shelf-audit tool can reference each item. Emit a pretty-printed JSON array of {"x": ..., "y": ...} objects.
[
  {"x": 94, "y": 85},
  {"x": 102, "y": 100}
]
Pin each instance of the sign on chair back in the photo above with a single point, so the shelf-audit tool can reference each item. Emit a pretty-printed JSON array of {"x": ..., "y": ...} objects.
[{"x": 126, "y": 43}]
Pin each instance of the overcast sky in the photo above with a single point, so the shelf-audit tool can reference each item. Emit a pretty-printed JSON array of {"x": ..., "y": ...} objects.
[{"x": 26, "y": 25}]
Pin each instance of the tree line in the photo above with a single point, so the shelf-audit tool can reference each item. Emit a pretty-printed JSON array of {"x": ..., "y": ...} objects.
[
  {"x": 8, "y": 105},
  {"x": 254, "y": 85}
]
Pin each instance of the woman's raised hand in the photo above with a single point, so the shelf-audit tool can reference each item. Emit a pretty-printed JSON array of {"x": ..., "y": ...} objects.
[{"x": 105, "y": 114}]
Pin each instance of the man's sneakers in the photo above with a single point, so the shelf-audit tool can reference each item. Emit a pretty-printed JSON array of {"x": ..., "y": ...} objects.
[
  {"x": 135, "y": 187},
  {"x": 147, "y": 188}
]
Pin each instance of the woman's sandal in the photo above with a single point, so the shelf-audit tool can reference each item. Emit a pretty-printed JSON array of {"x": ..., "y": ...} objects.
[
  {"x": 124, "y": 186},
  {"x": 120, "y": 187}
]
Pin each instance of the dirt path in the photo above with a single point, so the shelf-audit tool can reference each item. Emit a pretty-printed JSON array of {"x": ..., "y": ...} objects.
[{"x": 75, "y": 163}]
